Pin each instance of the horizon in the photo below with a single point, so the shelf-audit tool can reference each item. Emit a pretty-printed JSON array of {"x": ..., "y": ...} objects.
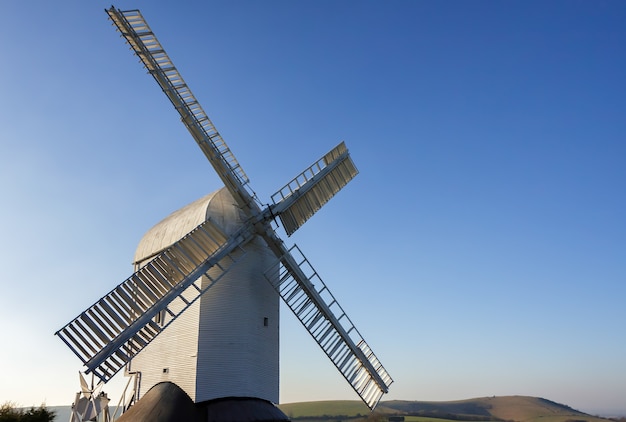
[
  {"x": 480, "y": 250},
  {"x": 601, "y": 413}
]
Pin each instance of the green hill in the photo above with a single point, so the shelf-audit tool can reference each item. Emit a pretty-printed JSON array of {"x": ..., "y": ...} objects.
[{"x": 508, "y": 408}]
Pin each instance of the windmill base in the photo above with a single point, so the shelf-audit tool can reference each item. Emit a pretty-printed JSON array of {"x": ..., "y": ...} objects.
[{"x": 166, "y": 402}]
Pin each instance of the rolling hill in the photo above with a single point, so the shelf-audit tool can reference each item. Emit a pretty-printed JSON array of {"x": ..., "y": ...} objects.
[
  {"x": 507, "y": 408},
  {"x": 500, "y": 409}
]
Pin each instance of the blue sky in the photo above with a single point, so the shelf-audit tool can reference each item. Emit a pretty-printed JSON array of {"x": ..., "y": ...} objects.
[{"x": 480, "y": 251}]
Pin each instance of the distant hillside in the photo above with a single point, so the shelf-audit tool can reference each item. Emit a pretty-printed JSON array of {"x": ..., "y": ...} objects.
[
  {"x": 508, "y": 408},
  {"x": 499, "y": 409}
]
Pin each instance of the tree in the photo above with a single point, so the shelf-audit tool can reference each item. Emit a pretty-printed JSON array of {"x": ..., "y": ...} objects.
[
  {"x": 40, "y": 414},
  {"x": 375, "y": 417},
  {"x": 9, "y": 413}
]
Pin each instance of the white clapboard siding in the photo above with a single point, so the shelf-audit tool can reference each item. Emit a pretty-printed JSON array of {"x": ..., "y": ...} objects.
[
  {"x": 238, "y": 354},
  {"x": 220, "y": 346}
]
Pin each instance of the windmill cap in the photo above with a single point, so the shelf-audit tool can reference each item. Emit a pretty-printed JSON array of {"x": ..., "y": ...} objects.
[{"x": 219, "y": 206}]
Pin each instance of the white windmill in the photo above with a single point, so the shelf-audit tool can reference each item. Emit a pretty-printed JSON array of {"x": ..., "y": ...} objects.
[
  {"x": 212, "y": 272},
  {"x": 90, "y": 404}
]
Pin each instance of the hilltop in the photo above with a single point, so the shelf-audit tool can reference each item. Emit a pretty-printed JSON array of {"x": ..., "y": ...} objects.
[
  {"x": 498, "y": 409},
  {"x": 506, "y": 408}
]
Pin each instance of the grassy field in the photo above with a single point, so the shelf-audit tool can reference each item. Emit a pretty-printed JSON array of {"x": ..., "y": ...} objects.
[
  {"x": 427, "y": 419},
  {"x": 509, "y": 408},
  {"x": 348, "y": 408}
]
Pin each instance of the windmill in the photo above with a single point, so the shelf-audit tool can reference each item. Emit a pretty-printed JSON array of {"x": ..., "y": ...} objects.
[
  {"x": 201, "y": 308},
  {"x": 90, "y": 403}
]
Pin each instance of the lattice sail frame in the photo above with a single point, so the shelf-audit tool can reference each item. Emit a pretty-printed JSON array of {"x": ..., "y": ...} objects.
[
  {"x": 299, "y": 199},
  {"x": 147, "y": 47},
  {"x": 119, "y": 325},
  {"x": 330, "y": 327},
  {"x": 109, "y": 333}
]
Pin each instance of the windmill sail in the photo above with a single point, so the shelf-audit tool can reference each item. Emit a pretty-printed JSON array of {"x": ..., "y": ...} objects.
[
  {"x": 119, "y": 325},
  {"x": 317, "y": 309},
  {"x": 144, "y": 43},
  {"x": 299, "y": 199}
]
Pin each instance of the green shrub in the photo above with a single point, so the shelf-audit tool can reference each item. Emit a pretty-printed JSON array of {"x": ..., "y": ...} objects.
[{"x": 10, "y": 412}]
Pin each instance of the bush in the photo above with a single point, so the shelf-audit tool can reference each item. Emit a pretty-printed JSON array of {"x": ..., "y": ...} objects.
[{"x": 10, "y": 412}]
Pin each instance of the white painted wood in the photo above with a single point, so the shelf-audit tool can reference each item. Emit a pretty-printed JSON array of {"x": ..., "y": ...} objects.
[{"x": 220, "y": 346}]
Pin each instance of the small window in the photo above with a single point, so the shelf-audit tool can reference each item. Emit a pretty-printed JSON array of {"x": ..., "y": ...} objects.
[
  {"x": 266, "y": 321},
  {"x": 166, "y": 370}
]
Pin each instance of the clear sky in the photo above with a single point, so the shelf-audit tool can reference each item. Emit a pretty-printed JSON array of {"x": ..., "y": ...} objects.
[{"x": 480, "y": 251}]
